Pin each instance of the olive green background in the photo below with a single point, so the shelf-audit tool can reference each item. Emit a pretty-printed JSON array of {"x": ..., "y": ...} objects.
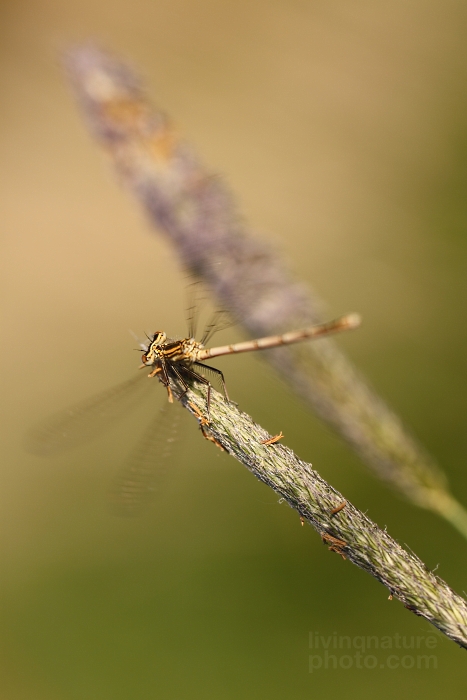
[{"x": 341, "y": 128}]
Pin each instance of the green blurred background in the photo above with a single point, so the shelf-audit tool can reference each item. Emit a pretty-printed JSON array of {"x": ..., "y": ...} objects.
[{"x": 341, "y": 128}]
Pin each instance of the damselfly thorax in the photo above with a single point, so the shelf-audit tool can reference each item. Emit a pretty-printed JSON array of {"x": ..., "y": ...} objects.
[{"x": 178, "y": 360}]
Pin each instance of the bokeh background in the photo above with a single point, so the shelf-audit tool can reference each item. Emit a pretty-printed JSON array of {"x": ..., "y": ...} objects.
[{"x": 341, "y": 128}]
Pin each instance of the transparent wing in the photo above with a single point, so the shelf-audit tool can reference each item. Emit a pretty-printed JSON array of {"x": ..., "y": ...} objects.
[
  {"x": 195, "y": 301},
  {"x": 197, "y": 297},
  {"x": 87, "y": 419},
  {"x": 220, "y": 320},
  {"x": 146, "y": 466}
]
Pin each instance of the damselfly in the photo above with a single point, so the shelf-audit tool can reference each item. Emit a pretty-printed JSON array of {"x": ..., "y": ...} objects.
[
  {"x": 174, "y": 362},
  {"x": 179, "y": 360}
]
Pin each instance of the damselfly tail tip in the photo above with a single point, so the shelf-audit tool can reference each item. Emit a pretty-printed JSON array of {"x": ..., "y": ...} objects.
[{"x": 352, "y": 321}]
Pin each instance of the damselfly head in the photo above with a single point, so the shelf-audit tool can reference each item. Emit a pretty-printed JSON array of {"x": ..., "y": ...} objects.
[{"x": 157, "y": 340}]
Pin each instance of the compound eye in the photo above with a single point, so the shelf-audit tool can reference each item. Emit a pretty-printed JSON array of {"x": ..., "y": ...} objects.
[
  {"x": 144, "y": 358},
  {"x": 159, "y": 337}
]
